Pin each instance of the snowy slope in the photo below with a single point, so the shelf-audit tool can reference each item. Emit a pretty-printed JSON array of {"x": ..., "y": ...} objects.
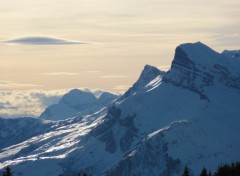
[
  {"x": 168, "y": 150},
  {"x": 149, "y": 73},
  {"x": 77, "y": 102},
  {"x": 232, "y": 54},
  {"x": 187, "y": 116},
  {"x": 201, "y": 88},
  {"x": 16, "y": 130}
]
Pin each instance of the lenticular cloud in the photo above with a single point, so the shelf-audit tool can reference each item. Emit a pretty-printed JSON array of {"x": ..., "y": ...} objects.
[{"x": 38, "y": 40}]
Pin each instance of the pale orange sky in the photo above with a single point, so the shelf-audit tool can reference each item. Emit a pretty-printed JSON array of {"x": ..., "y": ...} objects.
[{"x": 120, "y": 36}]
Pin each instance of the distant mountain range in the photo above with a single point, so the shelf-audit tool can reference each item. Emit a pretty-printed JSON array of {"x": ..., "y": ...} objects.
[
  {"x": 188, "y": 115},
  {"x": 78, "y": 102}
]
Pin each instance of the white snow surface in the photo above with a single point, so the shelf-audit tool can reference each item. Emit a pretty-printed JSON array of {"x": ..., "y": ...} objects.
[
  {"x": 78, "y": 103},
  {"x": 235, "y": 54},
  {"x": 187, "y": 116}
]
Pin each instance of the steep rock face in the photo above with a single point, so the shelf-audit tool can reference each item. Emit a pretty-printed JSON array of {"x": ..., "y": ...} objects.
[
  {"x": 196, "y": 66},
  {"x": 117, "y": 133},
  {"x": 77, "y": 102},
  {"x": 150, "y": 157},
  {"x": 197, "y": 86},
  {"x": 166, "y": 151}
]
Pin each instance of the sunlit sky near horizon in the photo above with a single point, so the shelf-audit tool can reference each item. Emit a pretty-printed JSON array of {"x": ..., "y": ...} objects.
[
  {"x": 105, "y": 44},
  {"x": 49, "y": 47}
]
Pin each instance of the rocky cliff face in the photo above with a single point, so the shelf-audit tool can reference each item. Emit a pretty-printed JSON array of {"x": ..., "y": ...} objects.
[{"x": 195, "y": 67}]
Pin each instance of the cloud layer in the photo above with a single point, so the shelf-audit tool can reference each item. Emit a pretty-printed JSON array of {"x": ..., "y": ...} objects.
[
  {"x": 41, "y": 40},
  {"x": 31, "y": 103},
  {"x": 28, "y": 102},
  {"x": 60, "y": 74},
  {"x": 113, "y": 76}
]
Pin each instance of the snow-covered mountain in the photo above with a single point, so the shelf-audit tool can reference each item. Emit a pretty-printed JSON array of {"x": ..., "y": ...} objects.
[
  {"x": 16, "y": 130},
  {"x": 78, "y": 102},
  {"x": 232, "y": 54},
  {"x": 149, "y": 78},
  {"x": 186, "y": 116}
]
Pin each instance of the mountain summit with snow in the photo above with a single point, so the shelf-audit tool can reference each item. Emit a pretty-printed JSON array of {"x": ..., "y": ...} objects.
[
  {"x": 78, "y": 102},
  {"x": 188, "y": 115},
  {"x": 149, "y": 73}
]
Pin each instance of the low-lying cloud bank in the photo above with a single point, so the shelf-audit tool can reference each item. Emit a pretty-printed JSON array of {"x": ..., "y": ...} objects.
[
  {"x": 28, "y": 102},
  {"x": 31, "y": 103}
]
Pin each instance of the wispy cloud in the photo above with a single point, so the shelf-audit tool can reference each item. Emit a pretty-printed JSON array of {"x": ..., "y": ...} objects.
[
  {"x": 121, "y": 87},
  {"x": 60, "y": 74},
  {"x": 42, "y": 40},
  {"x": 143, "y": 35},
  {"x": 113, "y": 76},
  {"x": 92, "y": 71},
  {"x": 222, "y": 36},
  {"x": 4, "y": 85}
]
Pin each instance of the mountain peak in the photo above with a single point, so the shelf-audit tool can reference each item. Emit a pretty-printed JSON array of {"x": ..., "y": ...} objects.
[
  {"x": 197, "y": 45},
  {"x": 191, "y": 55},
  {"x": 76, "y": 97},
  {"x": 76, "y": 101},
  {"x": 148, "y": 74},
  {"x": 188, "y": 116},
  {"x": 149, "y": 67},
  {"x": 198, "y": 51}
]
